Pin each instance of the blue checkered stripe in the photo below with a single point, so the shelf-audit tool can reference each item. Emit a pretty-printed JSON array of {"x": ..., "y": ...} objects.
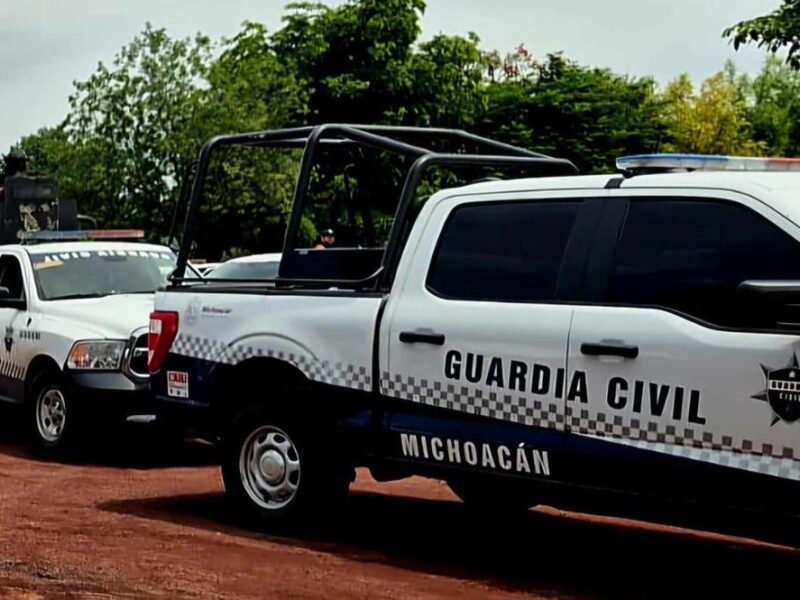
[
  {"x": 681, "y": 441},
  {"x": 332, "y": 373},
  {"x": 505, "y": 407},
  {"x": 787, "y": 468},
  {"x": 686, "y": 442}
]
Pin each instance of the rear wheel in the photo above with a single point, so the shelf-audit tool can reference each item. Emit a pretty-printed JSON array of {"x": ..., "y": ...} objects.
[{"x": 277, "y": 470}]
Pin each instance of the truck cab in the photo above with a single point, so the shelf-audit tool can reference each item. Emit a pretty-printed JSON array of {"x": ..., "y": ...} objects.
[{"x": 527, "y": 340}]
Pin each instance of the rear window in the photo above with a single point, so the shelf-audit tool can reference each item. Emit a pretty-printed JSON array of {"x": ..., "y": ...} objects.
[{"x": 509, "y": 252}]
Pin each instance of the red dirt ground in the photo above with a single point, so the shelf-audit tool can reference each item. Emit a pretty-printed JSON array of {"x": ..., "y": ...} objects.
[{"x": 139, "y": 521}]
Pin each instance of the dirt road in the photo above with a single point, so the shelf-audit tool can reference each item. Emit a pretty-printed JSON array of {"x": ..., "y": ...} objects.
[{"x": 135, "y": 521}]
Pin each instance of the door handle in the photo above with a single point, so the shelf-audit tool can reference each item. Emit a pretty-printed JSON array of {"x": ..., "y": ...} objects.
[
  {"x": 610, "y": 349},
  {"x": 416, "y": 337}
]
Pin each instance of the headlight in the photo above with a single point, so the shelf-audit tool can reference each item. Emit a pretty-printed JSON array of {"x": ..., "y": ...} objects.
[{"x": 98, "y": 355}]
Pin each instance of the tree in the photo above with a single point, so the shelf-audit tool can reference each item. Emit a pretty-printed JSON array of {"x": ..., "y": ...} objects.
[
  {"x": 136, "y": 114},
  {"x": 352, "y": 58},
  {"x": 249, "y": 191},
  {"x": 713, "y": 121},
  {"x": 443, "y": 84},
  {"x": 359, "y": 64},
  {"x": 135, "y": 128},
  {"x": 590, "y": 116},
  {"x": 776, "y": 31},
  {"x": 773, "y": 107}
]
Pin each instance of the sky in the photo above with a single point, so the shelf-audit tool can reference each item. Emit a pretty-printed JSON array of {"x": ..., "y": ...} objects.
[{"x": 46, "y": 45}]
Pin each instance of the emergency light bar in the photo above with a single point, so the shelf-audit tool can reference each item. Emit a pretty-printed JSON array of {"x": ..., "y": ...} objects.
[
  {"x": 82, "y": 235},
  {"x": 704, "y": 162}
]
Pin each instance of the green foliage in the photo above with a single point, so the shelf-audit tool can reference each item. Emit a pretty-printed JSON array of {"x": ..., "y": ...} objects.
[
  {"x": 137, "y": 114},
  {"x": 590, "y": 116},
  {"x": 443, "y": 84},
  {"x": 359, "y": 65},
  {"x": 136, "y": 125},
  {"x": 354, "y": 58},
  {"x": 776, "y": 31},
  {"x": 248, "y": 195},
  {"x": 713, "y": 121},
  {"x": 773, "y": 107}
]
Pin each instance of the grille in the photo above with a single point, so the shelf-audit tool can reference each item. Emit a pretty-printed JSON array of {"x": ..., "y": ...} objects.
[{"x": 137, "y": 359}]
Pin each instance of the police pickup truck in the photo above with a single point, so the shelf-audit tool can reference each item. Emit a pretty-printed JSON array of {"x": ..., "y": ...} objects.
[
  {"x": 73, "y": 314},
  {"x": 524, "y": 340}
]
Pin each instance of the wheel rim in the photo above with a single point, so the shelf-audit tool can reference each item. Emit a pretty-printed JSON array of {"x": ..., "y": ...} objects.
[
  {"x": 269, "y": 467},
  {"x": 51, "y": 414}
]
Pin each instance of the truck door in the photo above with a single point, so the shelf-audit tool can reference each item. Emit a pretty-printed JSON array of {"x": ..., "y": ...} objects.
[
  {"x": 673, "y": 363},
  {"x": 11, "y": 372},
  {"x": 474, "y": 338}
]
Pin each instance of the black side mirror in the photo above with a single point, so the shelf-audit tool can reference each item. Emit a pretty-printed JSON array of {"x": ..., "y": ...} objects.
[
  {"x": 771, "y": 304},
  {"x": 5, "y": 293}
]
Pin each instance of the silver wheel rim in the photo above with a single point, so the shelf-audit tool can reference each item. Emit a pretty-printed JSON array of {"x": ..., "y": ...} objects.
[
  {"x": 51, "y": 414},
  {"x": 269, "y": 467}
]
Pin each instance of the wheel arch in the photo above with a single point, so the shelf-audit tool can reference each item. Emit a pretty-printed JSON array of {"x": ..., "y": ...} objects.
[
  {"x": 40, "y": 364},
  {"x": 233, "y": 389}
]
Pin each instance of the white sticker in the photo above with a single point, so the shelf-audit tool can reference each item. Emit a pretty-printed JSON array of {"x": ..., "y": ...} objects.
[{"x": 178, "y": 384}]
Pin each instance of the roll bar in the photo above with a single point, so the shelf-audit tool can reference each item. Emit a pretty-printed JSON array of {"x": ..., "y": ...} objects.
[{"x": 395, "y": 139}]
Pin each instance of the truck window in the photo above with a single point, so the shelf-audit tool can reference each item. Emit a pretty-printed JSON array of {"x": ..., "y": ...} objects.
[
  {"x": 503, "y": 252},
  {"x": 691, "y": 255},
  {"x": 11, "y": 276},
  {"x": 100, "y": 272}
]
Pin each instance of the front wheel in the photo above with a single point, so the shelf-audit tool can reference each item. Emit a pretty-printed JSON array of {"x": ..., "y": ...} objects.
[
  {"x": 276, "y": 470},
  {"x": 54, "y": 417}
]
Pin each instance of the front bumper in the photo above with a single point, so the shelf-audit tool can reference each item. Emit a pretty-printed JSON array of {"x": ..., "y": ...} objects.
[{"x": 111, "y": 394}]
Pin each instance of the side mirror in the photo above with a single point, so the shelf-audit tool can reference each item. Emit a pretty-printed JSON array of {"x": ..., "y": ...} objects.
[
  {"x": 5, "y": 293},
  {"x": 772, "y": 304}
]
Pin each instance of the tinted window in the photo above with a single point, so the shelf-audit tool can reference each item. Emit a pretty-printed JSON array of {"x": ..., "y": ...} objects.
[
  {"x": 509, "y": 252},
  {"x": 692, "y": 255},
  {"x": 11, "y": 276}
]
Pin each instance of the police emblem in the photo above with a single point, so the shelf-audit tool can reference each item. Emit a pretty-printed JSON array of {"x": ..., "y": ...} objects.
[
  {"x": 782, "y": 391},
  {"x": 9, "y": 339}
]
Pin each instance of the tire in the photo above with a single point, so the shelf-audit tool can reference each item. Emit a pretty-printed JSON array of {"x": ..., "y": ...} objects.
[
  {"x": 485, "y": 493},
  {"x": 55, "y": 419},
  {"x": 278, "y": 470}
]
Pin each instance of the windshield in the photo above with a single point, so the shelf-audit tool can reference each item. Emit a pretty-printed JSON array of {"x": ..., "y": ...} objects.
[
  {"x": 94, "y": 273},
  {"x": 245, "y": 270}
]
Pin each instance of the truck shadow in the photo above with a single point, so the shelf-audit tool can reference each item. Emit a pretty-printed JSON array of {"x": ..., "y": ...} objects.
[
  {"x": 126, "y": 446},
  {"x": 543, "y": 551}
]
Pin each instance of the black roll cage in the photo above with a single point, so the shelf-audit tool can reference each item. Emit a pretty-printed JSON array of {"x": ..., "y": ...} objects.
[{"x": 382, "y": 137}]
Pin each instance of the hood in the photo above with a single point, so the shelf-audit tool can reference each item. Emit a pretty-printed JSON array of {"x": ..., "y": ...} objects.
[{"x": 115, "y": 316}]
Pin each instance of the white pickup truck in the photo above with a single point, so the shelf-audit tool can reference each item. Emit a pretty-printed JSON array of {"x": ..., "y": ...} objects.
[
  {"x": 525, "y": 340},
  {"x": 74, "y": 308}
]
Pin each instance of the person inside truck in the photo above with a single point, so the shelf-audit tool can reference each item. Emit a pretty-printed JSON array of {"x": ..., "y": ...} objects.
[{"x": 326, "y": 239}]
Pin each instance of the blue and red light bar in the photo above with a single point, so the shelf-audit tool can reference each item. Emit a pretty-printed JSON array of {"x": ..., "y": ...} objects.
[
  {"x": 705, "y": 162},
  {"x": 82, "y": 235}
]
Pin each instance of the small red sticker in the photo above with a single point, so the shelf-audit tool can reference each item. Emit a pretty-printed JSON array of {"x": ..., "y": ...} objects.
[{"x": 178, "y": 384}]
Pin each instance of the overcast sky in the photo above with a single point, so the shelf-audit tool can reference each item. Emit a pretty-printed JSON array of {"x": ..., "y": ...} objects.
[{"x": 45, "y": 45}]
